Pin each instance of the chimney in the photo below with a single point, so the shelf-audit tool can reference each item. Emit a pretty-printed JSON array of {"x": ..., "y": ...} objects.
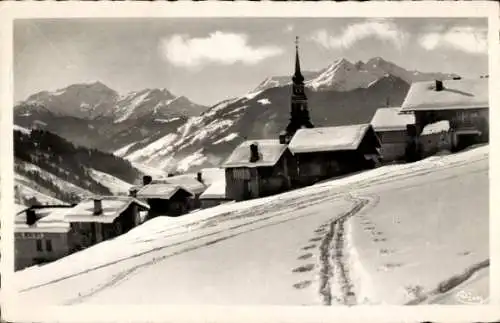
[
  {"x": 133, "y": 192},
  {"x": 282, "y": 137},
  {"x": 439, "y": 85},
  {"x": 199, "y": 177},
  {"x": 30, "y": 217},
  {"x": 146, "y": 179},
  {"x": 254, "y": 153},
  {"x": 97, "y": 206}
]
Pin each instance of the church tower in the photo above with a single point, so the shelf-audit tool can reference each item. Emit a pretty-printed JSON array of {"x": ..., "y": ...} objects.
[{"x": 299, "y": 114}]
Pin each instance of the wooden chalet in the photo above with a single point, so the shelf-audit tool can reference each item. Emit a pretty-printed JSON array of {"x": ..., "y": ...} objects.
[
  {"x": 165, "y": 199},
  {"x": 326, "y": 152},
  {"x": 464, "y": 103},
  {"x": 101, "y": 218},
  {"x": 391, "y": 128},
  {"x": 258, "y": 168}
]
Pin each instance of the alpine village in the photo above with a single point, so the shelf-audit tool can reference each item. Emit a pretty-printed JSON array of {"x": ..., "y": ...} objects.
[{"x": 442, "y": 115}]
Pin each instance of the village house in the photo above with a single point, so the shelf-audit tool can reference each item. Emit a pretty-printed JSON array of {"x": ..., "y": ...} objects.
[
  {"x": 214, "y": 195},
  {"x": 166, "y": 199},
  {"x": 101, "y": 218},
  {"x": 326, "y": 152},
  {"x": 391, "y": 129},
  {"x": 194, "y": 183},
  {"x": 258, "y": 168},
  {"x": 41, "y": 235},
  {"x": 463, "y": 103}
]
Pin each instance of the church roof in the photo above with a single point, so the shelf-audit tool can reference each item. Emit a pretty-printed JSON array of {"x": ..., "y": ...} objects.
[
  {"x": 328, "y": 138},
  {"x": 270, "y": 151}
]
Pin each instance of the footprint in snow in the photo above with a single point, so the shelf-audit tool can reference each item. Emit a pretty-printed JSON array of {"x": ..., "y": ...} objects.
[
  {"x": 303, "y": 284},
  {"x": 379, "y": 239},
  {"x": 305, "y": 256},
  {"x": 303, "y": 269},
  {"x": 385, "y": 251}
]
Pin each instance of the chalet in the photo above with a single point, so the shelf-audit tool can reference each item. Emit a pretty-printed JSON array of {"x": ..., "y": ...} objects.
[
  {"x": 326, "y": 152},
  {"x": 214, "y": 195},
  {"x": 194, "y": 183},
  {"x": 464, "y": 103},
  {"x": 101, "y": 218},
  {"x": 258, "y": 168},
  {"x": 166, "y": 199},
  {"x": 391, "y": 129},
  {"x": 41, "y": 235}
]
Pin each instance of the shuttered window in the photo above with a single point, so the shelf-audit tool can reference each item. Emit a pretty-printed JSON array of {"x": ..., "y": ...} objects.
[
  {"x": 39, "y": 246},
  {"x": 48, "y": 245},
  {"x": 241, "y": 173}
]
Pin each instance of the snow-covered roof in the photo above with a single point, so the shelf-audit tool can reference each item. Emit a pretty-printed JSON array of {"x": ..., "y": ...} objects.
[
  {"x": 112, "y": 207},
  {"x": 389, "y": 119},
  {"x": 307, "y": 140},
  {"x": 215, "y": 191},
  {"x": 188, "y": 182},
  {"x": 437, "y": 127},
  {"x": 51, "y": 219},
  {"x": 270, "y": 151},
  {"x": 161, "y": 191},
  {"x": 456, "y": 94}
]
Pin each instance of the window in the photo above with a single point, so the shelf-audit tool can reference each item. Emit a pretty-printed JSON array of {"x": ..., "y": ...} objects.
[
  {"x": 39, "y": 245},
  {"x": 48, "y": 245}
]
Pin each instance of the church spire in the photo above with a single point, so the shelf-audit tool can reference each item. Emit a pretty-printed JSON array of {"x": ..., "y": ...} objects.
[
  {"x": 299, "y": 114},
  {"x": 297, "y": 76}
]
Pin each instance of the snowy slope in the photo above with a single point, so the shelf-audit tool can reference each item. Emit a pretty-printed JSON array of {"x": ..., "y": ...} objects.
[
  {"x": 397, "y": 234},
  {"x": 27, "y": 188},
  {"x": 115, "y": 185}
]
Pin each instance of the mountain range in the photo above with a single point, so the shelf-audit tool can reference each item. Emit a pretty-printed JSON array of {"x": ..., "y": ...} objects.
[{"x": 155, "y": 128}]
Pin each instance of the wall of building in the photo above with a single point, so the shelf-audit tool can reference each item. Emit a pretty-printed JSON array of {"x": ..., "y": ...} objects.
[
  {"x": 246, "y": 183},
  {"x": 393, "y": 144},
  {"x": 28, "y": 252},
  {"x": 460, "y": 121},
  {"x": 434, "y": 143}
]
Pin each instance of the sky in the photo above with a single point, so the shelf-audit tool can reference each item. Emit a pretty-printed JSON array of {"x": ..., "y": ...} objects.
[{"x": 211, "y": 59}]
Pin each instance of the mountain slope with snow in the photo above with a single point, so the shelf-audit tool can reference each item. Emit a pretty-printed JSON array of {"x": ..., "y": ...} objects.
[
  {"x": 48, "y": 168},
  {"x": 377, "y": 237},
  {"x": 207, "y": 140}
]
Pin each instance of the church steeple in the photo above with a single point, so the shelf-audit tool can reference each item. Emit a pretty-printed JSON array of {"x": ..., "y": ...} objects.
[
  {"x": 299, "y": 114},
  {"x": 297, "y": 76}
]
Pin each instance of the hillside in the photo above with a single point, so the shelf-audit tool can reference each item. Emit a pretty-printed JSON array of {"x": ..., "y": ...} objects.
[
  {"x": 394, "y": 244},
  {"x": 49, "y": 169}
]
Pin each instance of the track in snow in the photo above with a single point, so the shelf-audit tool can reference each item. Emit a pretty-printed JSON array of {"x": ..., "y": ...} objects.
[{"x": 333, "y": 259}]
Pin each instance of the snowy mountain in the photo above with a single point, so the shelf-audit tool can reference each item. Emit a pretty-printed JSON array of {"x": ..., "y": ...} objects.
[
  {"x": 380, "y": 237},
  {"x": 343, "y": 75},
  {"x": 84, "y": 113},
  {"x": 96, "y": 100}
]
